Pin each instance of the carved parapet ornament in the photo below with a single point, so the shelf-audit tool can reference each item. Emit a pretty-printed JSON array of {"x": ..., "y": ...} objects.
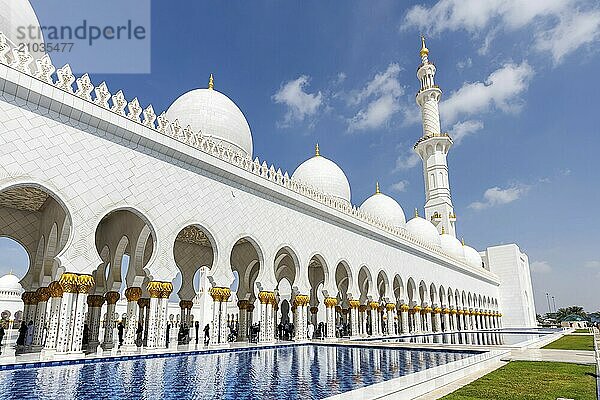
[
  {"x": 266, "y": 297},
  {"x": 55, "y": 289},
  {"x": 112, "y": 297},
  {"x": 222, "y": 294},
  {"x": 95, "y": 300}
]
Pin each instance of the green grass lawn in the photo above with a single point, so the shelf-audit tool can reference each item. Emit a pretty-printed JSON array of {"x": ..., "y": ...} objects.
[
  {"x": 582, "y": 331},
  {"x": 532, "y": 380},
  {"x": 572, "y": 342}
]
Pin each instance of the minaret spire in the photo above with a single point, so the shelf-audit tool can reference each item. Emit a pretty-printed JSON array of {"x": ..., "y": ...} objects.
[
  {"x": 211, "y": 82},
  {"x": 433, "y": 147},
  {"x": 377, "y": 188},
  {"x": 317, "y": 152}
]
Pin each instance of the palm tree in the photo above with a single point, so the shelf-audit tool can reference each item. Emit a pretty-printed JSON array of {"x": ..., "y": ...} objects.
[{"x": 563, "y": 313}]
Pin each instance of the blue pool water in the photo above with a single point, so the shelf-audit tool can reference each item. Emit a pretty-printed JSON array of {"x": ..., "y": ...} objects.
[
  {"x": 298, "y": 372},
  {"x": 493, "y": 338}
]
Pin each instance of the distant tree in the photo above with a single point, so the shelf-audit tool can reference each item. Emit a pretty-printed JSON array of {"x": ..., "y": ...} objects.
[{"x": 563, "y": 313}]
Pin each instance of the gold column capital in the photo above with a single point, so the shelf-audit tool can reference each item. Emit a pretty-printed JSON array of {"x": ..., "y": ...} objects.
[
  {"x": 354, "y": 303},
  {"x": 112, "y": 297},
  {"x": 133, "y": 293},
  {"x": 220, "y": 294},
  {"x": 266, "y": 297},
  {"x": 43, "y": 294},
  {"x": 85, "y": 283},
  {"x": 68, "y": 281},
  {"x": 95, "y": 300},
  {"x": 55, "y": 289},
  {"x": 330, "y": 302}
]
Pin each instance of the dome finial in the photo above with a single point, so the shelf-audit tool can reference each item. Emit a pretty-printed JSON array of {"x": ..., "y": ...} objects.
[
  {"x": 443, "y": 230},
  {"x": 211, "y": 82},
  {"x": 424, "y": 49},
  {"x": 377, "y": 188},
  {"x": 463, "y": 241},
  {"x": 317, "y": 153},
  {"x": 416, "y": 212}
]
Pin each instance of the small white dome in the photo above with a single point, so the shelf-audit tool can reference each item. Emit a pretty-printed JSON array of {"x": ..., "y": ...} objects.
[
  {"x": 424, "y": 230},
  {"x": 215, "y": 115},
  {"x": 452, "y": 247},
  {"x": 472, "y": 257},
  {"x": 384, "y": 207},
  {"x": 10, "y": 283},
  {"x": 325, "y": 175},
  {"x": 19, "y": 13}
]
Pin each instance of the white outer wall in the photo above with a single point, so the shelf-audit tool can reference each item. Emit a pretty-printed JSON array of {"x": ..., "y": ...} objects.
[
  {"x": 516, "y": 291},
  {"x": 116, "y": 163}
]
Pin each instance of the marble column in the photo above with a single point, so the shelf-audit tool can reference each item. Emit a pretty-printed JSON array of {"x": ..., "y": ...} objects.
[
  {"x": 446, "y": 317},
  {"x": 404, "y": 319},
  {"x": 330, "y": 303},
  {"x": 84, "y": 285},
  {"x": 313, "y": 316},
  {"x": 417, "y": 319},
  {"x": 243, "y": 321},
  {"x": 374, "y": 318},
  {"x": 68, "y": 281},
  {"x": 56, "y": 292},
  {"x": 266, "y": 299},
  {"x": 437, "y": 319},
  {"x": 43, "y": 294},
  {"x": 453, "y": 319},
  {"x": 30, "y": 301},
  {"x": 301, "y": 302},
  {"x": 144, "y": 305},
  {"x": 109, "y": 320},
  {"x": 428, "y": 319},
  {"x": 133, "y": 294},
  {"x": 162, "y": 312},
  {"x": 390, "y": 318},
  {"x": 354, "y": 320},
  {"x": 362, "y": 310},
  {"x": 94, "y": 314}
]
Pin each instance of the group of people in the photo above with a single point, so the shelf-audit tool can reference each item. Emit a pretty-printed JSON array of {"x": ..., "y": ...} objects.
[{"x": 285, "y": 330}]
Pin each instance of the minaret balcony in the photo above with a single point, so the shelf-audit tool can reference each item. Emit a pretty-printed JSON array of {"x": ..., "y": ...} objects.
[{"x": 443, "y": 136}]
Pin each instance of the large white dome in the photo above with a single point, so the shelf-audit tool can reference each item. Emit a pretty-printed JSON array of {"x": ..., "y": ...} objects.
[
  {"x": 424, "y": 230},
  {"x": 384, "y": 207},
  {"x": 452, "y": 247},
  {"x": 324, "y": 175},
  {"x": 215, "y": 115},
  {"x": 472, "y": 257},
  {"x": 10, "y": 283},
  {"x": 15, "y": 14}
]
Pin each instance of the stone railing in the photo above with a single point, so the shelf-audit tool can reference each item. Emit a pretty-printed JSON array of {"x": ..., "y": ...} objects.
[{"x": 63, "y": 79}]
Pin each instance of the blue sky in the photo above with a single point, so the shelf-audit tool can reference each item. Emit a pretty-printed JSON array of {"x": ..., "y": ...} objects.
[{"x": 520, "y": 98}]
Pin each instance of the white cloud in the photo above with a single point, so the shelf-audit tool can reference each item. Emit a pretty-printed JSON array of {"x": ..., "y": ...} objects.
[
  {"x": 500, "y": 90},
  {"x": 573, "y": 31},
  {"x": 460, "y": 130},
  {"x": 407, "y": 160},
  {"x": 377, "y": 101},
  {"x": 399, "y": 186},
  {"x": 560, "y": 26},
  {"x": 497, "y": 196},
  {"x": 300, "y": 104},
  {"x": 592, "y": 264},
  {"x": 540, "y": 267},
  {"x": 466, "y": 63},
  {"x": 340, "y": 78}
]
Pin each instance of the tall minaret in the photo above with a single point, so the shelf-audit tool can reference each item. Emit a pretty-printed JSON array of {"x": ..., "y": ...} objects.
[{"x": 433, "y": 148}]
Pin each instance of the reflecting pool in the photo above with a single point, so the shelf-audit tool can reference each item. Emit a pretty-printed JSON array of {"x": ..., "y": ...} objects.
[
  {"x": 488, "y": 338},
  {"x": 296, "y": 372}
]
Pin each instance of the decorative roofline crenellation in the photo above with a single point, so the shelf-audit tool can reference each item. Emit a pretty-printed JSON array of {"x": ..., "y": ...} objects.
[{"x": 63, "y": 79}]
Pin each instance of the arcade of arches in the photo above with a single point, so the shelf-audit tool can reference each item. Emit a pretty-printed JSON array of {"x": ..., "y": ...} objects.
[{"x": 336, "y": 303}]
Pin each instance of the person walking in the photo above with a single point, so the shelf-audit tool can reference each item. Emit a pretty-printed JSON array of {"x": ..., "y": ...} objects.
[
  {"x": 197, "y": 326},
  {"x": 168, "y": 332},
  {"x": 30, "y": 329},
  {"x": 120, "y": 329},
  {"x": 310, "y": 331},
  {"x": 206, "y": 334},
  {"x": 22, "y": 334},
  {"x": 1, "y": 336}
]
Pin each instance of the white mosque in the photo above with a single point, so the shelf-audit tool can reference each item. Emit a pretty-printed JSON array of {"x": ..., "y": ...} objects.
[{"x": 90, "y": 177}]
